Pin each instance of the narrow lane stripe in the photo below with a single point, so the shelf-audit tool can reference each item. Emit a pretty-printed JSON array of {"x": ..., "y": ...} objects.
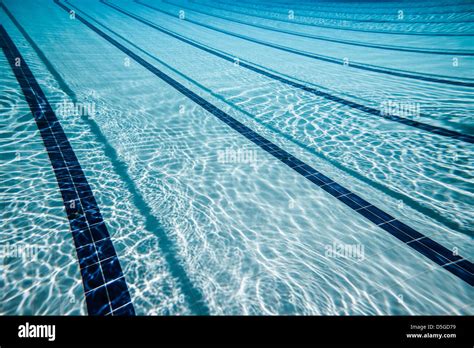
[{"x": 104, "y": 284}]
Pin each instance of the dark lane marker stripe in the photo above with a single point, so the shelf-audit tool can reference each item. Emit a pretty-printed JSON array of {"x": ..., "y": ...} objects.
[
  {"x": 455, "y": 264},
  {"x": 375, "y": 112},
  {"x": 366, "y": 67},
  {"x": 55, "y": 74},
  {"x": 192, "y": 295},
  {"x": 325, "y": 38},
  {"x": 104, "y": 284}
]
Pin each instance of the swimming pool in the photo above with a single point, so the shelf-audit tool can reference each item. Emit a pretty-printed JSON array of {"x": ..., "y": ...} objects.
[{"x": 196, "y": 157}]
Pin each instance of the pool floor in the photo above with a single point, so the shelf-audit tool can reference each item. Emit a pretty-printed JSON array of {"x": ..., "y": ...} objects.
[{"x": 219, "y": 158}]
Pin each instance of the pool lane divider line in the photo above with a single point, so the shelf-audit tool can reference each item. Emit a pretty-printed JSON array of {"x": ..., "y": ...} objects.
[
  {"x": 452, "y": 262},
  {"x": 40, "y": 53},
  {"x": 105, "y": 288},
  {"x": 192, "y": 295},
  {"x": 327, "y": 59},
  {"x": 325, "y": 38},
  {"x": 372, "y": 111}
]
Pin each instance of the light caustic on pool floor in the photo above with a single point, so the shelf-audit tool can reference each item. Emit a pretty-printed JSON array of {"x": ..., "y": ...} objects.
[{"x": 215, "y": 223}]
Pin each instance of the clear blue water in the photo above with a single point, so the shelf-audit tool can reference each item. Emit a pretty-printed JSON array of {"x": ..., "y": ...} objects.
[{"x": 249, "y": 234}]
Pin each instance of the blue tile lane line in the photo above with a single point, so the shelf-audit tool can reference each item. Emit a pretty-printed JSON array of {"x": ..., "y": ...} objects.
[
  {"x": 442, "y": 256},
  {"x": 366, "y": 67},
  {"x": 372, "y": 111},
  {"x": 192, "y": 294},
  {"x": 105, "y": 288}
]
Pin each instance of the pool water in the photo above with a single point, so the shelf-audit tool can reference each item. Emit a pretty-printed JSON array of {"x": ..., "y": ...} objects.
[{"x": 188, "y": 119}]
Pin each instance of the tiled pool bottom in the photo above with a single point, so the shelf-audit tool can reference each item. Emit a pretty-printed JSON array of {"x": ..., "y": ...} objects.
[
  {"x": 225, "y": 238},
  {"x": 37, "y": 251}
]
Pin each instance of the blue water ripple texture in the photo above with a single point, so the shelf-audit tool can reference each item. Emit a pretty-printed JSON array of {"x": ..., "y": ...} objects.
[{"x": 198, "y": 157}]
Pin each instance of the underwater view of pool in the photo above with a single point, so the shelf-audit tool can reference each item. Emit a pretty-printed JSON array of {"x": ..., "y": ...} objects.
[{"x": 199, "y": 157}]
